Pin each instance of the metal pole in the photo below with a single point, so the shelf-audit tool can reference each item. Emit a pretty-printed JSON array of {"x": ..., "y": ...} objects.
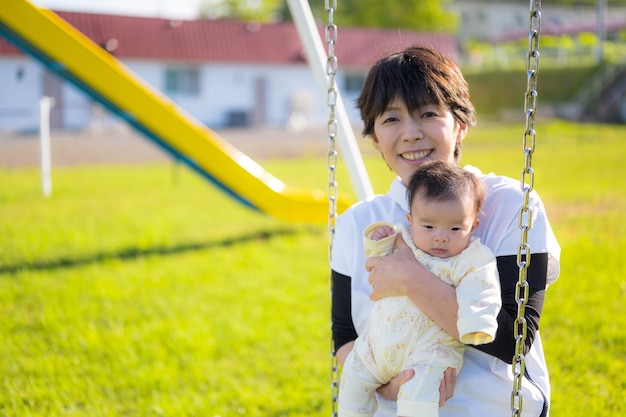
[
  {"x": 601, "y": 29},
  {"x": 45, "y": 103},
  {"x": 309, "y": 36}
]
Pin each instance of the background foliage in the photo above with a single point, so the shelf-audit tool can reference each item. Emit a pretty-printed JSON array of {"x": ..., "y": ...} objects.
[{"x": 428, "y": 15}]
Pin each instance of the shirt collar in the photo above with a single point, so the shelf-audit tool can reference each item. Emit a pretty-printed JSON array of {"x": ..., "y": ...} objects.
[{"x": 397, "y": 192}]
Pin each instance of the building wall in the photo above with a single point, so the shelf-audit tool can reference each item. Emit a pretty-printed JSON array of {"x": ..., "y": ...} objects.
[
  {"x": 228, "y": 95},
  {"x": 20, "y": 87}
]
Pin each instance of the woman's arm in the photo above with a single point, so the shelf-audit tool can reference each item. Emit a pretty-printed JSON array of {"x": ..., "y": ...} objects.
[
  {"x": 343, "y": 329},
  {"x": 401, "y": 274},
  {"x": 343, "y": 352}
]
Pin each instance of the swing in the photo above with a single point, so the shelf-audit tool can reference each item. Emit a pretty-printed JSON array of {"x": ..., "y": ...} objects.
[{"x": 526, "y": 184}]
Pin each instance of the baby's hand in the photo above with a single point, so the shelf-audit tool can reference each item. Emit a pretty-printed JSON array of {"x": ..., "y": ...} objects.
[{"x": 381, "y": 232}]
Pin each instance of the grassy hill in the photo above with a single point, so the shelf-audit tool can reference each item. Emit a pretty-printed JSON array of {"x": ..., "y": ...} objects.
[{"x": 500, "y": 90}]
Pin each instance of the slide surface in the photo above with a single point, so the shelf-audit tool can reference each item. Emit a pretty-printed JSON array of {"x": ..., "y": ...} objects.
[{"x": 71, "y": 55}]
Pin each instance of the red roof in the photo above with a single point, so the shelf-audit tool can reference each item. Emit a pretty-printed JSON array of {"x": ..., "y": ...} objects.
[{"x": 207, "y": 40}]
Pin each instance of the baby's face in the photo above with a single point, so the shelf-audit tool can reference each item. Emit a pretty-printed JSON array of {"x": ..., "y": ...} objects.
[{"x": 442, "y": 228}]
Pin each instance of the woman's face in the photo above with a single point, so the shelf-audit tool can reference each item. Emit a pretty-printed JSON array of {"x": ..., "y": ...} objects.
[{"x": 407, "y": 140}]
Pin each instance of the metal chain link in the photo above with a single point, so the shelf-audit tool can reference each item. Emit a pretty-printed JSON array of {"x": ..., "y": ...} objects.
[
  {"x": 525, "y": 214},
  {"x": 331, "y": 72}
]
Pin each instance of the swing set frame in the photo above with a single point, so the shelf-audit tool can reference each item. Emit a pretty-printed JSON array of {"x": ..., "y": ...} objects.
[{"x": 324, "y": 66}]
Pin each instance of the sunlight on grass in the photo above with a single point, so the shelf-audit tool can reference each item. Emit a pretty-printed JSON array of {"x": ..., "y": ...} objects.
[{"x": 143, "y": 291}]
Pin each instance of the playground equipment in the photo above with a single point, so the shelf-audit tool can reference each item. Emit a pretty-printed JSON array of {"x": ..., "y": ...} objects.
[
  {"x": 72, "y": 56},
  {"x": 68, "y": 53},
  {"x": 524, "y": 215}
]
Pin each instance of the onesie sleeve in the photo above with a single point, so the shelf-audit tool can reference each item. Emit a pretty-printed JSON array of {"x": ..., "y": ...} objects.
[
  {"x": 478, "y": 297},
  {"x": 380, "y": 247}
]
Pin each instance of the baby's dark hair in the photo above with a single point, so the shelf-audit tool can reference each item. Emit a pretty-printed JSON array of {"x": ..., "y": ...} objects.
[
  {"x": 445, "y": 181},
  {"x": 418, "y": 76}
]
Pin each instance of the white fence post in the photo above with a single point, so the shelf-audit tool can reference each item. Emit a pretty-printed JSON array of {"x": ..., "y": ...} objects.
[{"x": 45, "y": 104}]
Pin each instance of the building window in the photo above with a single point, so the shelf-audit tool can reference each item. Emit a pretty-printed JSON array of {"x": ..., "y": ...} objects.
[
  {"x": 354, "y": 83},
  {"x": 182, "y": 81}
]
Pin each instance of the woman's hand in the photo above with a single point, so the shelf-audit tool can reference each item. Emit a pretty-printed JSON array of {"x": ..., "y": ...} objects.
[
  {"x": 401, "y": 274},
  {"x": 390, "y": 390},
  {"x": 394, "y": 274},
  {"x": 446, "y": 388}
]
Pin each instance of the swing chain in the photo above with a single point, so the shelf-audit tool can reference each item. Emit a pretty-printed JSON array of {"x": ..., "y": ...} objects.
[
  {"x": 525, "y": 213},
  {"x": 331, "y": 72}
]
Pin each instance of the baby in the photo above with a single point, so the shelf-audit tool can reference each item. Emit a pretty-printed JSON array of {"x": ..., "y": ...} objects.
[{"x": 444, "y": 202}]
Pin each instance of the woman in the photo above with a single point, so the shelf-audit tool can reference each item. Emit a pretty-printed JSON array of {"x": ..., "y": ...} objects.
[{"x": 416, "y": 107}]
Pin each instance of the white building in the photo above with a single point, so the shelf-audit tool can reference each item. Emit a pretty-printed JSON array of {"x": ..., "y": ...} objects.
[
  {"x": 222, "y": 72},
  {"x": 494, "y": 21}
]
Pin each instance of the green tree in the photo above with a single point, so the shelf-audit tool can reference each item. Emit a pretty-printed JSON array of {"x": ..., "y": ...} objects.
[
  {"x": 424, "y": 15},
  {"x": 260, "y": 10}
]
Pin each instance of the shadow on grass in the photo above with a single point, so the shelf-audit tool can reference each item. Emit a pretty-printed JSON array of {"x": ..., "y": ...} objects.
[{"x": 134, "y": 253}]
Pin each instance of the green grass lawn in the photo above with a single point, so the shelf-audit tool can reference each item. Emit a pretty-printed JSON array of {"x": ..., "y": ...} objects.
[{"x": 143, "y": 291}]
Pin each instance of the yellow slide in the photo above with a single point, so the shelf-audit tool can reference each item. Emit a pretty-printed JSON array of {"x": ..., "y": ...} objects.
[{"x": 69, "y": 53}]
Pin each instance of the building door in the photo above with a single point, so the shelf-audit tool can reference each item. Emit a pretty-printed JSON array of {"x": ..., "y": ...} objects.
[
  {"x": 52, "y": 87},
  {"x": 259, "y": 113}
]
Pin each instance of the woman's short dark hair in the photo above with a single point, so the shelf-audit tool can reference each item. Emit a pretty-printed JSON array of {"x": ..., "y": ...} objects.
[{"x": 419, "y": 76}]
